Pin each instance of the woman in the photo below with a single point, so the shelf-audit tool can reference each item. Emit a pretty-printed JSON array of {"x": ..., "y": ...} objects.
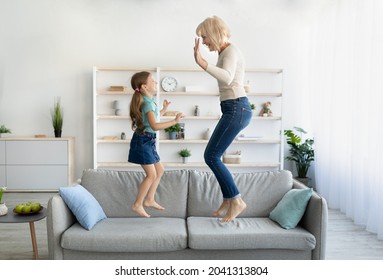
[{"x": 235, "y": 107}]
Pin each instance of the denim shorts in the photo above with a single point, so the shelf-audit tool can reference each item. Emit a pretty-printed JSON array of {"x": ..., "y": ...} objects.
[{"x": 143, "y": 149}]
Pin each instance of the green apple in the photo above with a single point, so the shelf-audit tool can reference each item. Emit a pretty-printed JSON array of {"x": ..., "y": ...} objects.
[
  {"x": 35, "y": 207},
  {"x": 19, "y": 208},
  {"x": 27, "y": 209}
]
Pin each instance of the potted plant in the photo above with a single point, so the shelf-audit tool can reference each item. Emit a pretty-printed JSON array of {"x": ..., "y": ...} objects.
[
  {"x": 173, "y": 130},
  {"x": 4, "y": 129},
  {"x": 57, "y": 118},
  {"x": 3, "y": 207},
  {"x": 302, "y": 153},
  {"x": 184, "y": 153},
  {"x": 253, "y": 107}
]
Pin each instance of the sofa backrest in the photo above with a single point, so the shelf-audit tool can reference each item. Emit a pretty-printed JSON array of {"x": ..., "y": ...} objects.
[
  {"x": 117, "y": 190},
  {"x": 260, "y": 190}
]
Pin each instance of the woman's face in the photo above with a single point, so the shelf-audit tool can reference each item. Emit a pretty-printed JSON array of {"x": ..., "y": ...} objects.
[{"x": 207, "y": 42}]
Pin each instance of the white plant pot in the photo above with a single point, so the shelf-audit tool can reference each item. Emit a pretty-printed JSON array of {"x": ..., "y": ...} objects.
[
  {"x": 3, "y": 209},
  {"x": 184, "y": 159}
]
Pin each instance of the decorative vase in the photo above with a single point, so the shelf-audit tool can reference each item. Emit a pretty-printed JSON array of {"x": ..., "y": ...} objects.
[
  {"x": 58, "y": 133},
  {"x": 3, "y": 209},
  {"x": 184, "y": 159},
  {"x": 247, "y": 87},
  {"x": 207, "y": 134}
]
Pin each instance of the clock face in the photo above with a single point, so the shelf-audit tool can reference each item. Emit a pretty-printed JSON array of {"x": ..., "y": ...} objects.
[{"x": 169, "y": 84}]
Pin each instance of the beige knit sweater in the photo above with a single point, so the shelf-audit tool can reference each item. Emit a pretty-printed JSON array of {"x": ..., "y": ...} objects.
[{"x": 229, "y": 72}]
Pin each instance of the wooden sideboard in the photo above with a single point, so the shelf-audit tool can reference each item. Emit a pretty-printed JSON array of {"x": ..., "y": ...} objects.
[{"x": 36, "y": 164}]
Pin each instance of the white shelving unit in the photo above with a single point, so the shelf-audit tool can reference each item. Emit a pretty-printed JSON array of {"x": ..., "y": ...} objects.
[{"x": 262, "y": 151}]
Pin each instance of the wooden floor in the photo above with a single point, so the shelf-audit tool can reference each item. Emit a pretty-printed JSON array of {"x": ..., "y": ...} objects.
[{"x": 345, "y": 241}]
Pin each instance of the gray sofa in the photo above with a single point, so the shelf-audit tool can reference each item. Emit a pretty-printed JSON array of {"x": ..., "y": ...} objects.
[{"x": 186, "y": 230}]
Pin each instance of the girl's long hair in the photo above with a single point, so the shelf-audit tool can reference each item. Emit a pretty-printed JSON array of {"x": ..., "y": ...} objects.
[{"x": 138, "y": 79}]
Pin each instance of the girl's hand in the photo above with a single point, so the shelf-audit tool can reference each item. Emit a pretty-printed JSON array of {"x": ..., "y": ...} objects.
[
  {"x": 197, "y": 55},
  {"x": 165, "y": 104},
  {"x": 179, "y": 116}
]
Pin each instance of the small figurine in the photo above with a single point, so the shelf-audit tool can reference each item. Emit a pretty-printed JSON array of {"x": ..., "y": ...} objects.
[
  {"x": 196, "y": 110},
  {"x": 266, "y": 110}
]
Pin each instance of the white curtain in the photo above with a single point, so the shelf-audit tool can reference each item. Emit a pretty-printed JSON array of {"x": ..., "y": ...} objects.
[{"x": 345, "y": 84}]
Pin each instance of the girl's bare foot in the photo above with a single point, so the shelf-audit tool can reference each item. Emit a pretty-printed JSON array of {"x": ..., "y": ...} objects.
[
  {"x": 153, "y": 204},
  {"x": 222, "y": 209},
  {"x": 237, "y": 205},
  {"x": 139, "y": 209}
]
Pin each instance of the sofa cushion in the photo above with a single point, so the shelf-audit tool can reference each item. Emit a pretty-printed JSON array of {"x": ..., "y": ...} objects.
[
  {"x": 290, "y": 209},
  {"x": 117, "y": 190},
  {"x": 260, "y": 190},
  {"x": 83, "y": 205},
  {"x": 128, "y": 235},
  {"x": 207, "y": 233}
]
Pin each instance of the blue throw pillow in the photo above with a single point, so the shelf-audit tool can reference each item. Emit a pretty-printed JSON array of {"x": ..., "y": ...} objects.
[
  {"x": 289, "y": 211},
  {"x": 83, "y": 205}
]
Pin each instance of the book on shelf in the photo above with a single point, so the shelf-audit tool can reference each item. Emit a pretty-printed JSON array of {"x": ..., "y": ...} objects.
[{"x": 118, "y": 88}]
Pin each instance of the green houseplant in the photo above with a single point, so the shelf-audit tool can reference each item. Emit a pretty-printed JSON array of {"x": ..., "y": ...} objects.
[
  {"x": 3, "y": 207},
  {"x": 184, "y": 153},
  {"x": 57, "y": 115},
  {"x": 253, "y": 107},
  {"x": 4, "y": 129},
  {"x": 301, "y": 152},
  {"x": 2, "y": 190},
  {"x": 173, "y": 130}
]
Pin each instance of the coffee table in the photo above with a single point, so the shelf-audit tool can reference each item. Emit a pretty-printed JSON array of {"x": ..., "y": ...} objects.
[{"x": 31, "y": 218}]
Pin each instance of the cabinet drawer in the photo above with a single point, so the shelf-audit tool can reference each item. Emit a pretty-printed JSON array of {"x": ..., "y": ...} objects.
[
  {"x": 2, "y": 152},
  {"x": 36, "y": 177},
  {"x": 37, "y": 152},
  {"x": 2, "y": 176}
]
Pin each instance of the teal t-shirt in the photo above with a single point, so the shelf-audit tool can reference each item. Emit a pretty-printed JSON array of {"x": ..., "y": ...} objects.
[{"x": 149, "y": 105}]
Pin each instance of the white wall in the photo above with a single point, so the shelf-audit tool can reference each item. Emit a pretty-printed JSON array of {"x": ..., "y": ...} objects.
[{"x": 48, "y": 49}]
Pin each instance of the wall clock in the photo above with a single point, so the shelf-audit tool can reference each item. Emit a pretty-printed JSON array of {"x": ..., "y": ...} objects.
[{"x": 169, "y": 84}]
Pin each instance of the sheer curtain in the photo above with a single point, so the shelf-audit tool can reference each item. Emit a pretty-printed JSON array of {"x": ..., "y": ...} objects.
[{"x": 345, "y": 84}]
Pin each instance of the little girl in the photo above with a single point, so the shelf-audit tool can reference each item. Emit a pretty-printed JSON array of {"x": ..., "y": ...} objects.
[{"x": 144, "y": 114}]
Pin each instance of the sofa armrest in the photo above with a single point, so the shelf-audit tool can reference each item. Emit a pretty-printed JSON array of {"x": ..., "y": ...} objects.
[
  {"x": 59, "y": 219},
  {"x": 315, "y": 221}
]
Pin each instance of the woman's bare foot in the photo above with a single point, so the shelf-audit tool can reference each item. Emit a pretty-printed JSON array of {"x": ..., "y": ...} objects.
[
  {"x": 139, "y": 209},
  {"x": 222, "y": 209},
  {"x": 237, "y": 205},
  {"x": 153, "y": 204}
]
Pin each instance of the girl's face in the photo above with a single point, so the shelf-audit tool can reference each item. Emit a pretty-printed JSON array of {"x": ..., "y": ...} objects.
[{"x": 150, "y": 86}]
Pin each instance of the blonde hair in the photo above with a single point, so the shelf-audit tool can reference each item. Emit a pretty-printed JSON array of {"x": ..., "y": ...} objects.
[
  {"x": 216, "y": 30},
  {"x": 137, "y": 80}
]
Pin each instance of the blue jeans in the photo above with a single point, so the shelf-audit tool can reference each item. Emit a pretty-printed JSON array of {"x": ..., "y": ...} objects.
[{"x": 236, "y": 115}]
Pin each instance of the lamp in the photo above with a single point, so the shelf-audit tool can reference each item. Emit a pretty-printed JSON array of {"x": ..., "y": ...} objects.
[{"x": 117, "y": 106}]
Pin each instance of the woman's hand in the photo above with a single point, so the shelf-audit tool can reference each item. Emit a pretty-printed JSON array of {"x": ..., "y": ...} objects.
[{"x": 197, "y": 55}]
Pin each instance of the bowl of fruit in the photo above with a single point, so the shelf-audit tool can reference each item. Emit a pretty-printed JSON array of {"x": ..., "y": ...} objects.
[{"x": 28, "y": 208}]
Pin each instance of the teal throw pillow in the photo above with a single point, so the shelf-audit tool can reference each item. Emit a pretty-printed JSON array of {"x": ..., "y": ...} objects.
[
  {"x": 289, "y": 211},
  {"x": 83, "y": 205}
]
